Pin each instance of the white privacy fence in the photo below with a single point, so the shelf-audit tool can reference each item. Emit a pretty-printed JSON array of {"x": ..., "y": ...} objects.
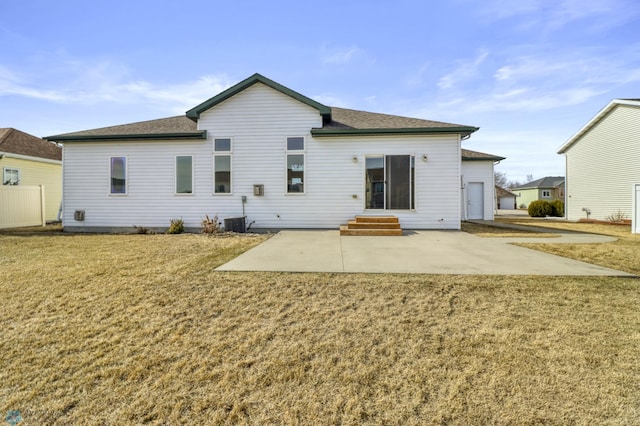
[{"x": 21, "y": 205}]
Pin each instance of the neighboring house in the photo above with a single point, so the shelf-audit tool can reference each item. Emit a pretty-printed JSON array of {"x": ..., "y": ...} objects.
[
  {"x": 283, "y": 160},
  {"x": 603, "y": 164},
  {"x": 549, "y": 188},
  {"x": 505, "y": 200},
  {"x": 28, "y": 160}
]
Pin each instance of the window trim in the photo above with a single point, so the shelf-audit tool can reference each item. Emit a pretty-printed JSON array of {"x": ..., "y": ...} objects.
[
  {"x": 175, "y": 175},
  {"x": 546, "y": 193},
  {"x": 223, "y": 154},
  {"x": 12, "y": 169},
  {"x": 302, "y": 152},
  {"x": 126, "y": 176}
]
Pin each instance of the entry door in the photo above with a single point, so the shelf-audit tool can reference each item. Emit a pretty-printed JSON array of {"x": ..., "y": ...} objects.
[
  {"x": 389, "y": 182},
  {"x": 475, "y": 200}
]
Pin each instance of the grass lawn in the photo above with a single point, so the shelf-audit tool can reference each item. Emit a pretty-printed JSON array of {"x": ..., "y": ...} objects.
[{"x": 121, "y": 329}]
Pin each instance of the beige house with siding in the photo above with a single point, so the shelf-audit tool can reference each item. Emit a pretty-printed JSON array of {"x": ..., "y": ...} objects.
[
  {"x": 26, "y": 160},
  {"x": 282, "y": 160},
  {"x": 603, "y": 163}
]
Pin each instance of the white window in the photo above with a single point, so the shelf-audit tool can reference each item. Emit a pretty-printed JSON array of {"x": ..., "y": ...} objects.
[
  {"x": 184, "y": 174},
  {"x": 546, "y": 194},
  {"x": 118, "y": 174},
  {"x": 10, "y": 176},
  {"x": 295, "y": 165},
  {"x": 222, "y": 166}
]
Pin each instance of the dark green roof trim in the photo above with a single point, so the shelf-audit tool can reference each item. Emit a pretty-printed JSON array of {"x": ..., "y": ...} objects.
[
  {"x": 391, "y": 131},
  {"x": 157, "y": 136},
  {"x": 194, "y": 113}
]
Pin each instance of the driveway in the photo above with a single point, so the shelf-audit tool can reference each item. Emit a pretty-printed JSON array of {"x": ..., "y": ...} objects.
[{"x": 425, "y": 252}]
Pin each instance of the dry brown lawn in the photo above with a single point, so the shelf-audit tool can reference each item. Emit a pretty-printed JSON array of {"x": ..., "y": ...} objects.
[
  {"x": 623, "y": 255},
  {"x": 122, "y": 329},
  {"x": 481, "y": 230}
]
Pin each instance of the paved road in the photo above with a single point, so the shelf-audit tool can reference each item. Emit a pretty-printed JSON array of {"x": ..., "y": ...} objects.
[{"x": 429, "y": 252}]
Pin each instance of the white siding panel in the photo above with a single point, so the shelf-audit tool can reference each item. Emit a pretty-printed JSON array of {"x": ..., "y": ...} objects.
[
  {"x": 479, "y": 171},
  {"x": 258, "y": 120},
  {"x": 603, "y": 166}
]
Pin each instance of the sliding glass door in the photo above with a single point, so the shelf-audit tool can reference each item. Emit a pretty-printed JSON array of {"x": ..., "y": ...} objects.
[{"x": 389, "y": 182}]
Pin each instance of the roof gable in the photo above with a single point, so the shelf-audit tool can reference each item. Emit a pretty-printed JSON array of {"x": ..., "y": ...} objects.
[
  {"x": 194, "y": 113},
  {"x": 595, "y": 120},
  {"x": 16, "y": 142},
  {"x": 335, "y": 122}
]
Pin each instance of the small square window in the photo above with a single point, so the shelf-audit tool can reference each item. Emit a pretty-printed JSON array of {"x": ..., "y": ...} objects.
[
  {"x": 222, "y": 145},
  {"x": 10, "y": 176},
  {"x": 295, "y": 144}
]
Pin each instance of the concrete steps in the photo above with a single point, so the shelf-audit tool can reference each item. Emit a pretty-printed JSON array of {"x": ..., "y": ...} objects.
[{"x": 372, "y": 225}]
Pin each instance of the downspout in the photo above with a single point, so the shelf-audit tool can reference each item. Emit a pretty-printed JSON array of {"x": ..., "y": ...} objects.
[{"x": 493, "y": 187}]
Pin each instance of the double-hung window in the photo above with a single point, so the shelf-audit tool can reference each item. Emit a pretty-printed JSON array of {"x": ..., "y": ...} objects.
[
  {"x": 118, "y": 174},
  {"x": 295, "y": 165},
  {"x": 184, "y": 174},
  {"x": 222, "y": 166},
  {"x": 10, "y": 176}
]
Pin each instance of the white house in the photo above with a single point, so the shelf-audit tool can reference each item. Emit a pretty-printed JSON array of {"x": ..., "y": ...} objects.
[
  {"x": 602, "y": 165},
  {"x": 261, "y": 150}
]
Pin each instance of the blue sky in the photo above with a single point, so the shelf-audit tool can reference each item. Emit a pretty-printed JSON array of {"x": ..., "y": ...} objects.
[{"x": 529, "y": 73}]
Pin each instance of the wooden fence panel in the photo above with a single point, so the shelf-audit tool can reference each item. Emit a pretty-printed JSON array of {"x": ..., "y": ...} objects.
[{"x": 21, "y": 205}]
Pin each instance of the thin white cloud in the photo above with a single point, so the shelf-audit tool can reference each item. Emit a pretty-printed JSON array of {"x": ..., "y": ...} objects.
[
  {"x": 339, "y": 55},
  {"x": 103, "y": 82},
  {"x": 536, "y": 15},
  {"x": 465, "y": 70}
]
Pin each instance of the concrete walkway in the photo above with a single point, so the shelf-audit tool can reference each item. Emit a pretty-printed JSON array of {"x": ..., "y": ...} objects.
[{"x": 426, "y": 252}]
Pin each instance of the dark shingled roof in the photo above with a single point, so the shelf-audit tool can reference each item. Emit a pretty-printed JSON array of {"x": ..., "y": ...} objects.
[
  {"x": 179, "y": 126},
  {"x": 342, "y": 118},
  {"x": 469, "y": 155},
  {"x": 545, "y": 182},
  {"x": 501, "y": 192},
  {"x": 16, "y": 142}
]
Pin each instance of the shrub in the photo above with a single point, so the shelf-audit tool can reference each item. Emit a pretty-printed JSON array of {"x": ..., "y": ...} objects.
[
  {"x": 619, "y": 216},
  {"x": 210, "y": 226},
  {"x": 540, "y": 208},
  {"x": 557, "y": 207},
  {"x": 522, "y": 206},
  {"x": 176, "y": 226}
]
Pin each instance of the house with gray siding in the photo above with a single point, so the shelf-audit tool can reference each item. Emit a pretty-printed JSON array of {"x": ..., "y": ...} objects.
[
  {"x": 602, "y": 165},
  {"x": 282, "y": 160}
]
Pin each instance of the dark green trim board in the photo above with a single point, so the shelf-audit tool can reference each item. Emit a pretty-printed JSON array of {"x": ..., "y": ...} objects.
[
  {"x": 488, "y": 158},
  {"x": 194, "y": 113},
  {"x": 391, "y": 131},
  {"x": 157, "y": 136}
]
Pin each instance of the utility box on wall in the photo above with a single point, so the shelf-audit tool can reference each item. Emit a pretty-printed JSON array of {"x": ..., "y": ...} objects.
[
  {"x": 258, "y": 190},
  {"x": 78, "y": 215}
]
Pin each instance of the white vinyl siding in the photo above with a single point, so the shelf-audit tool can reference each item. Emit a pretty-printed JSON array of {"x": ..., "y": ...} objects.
[
  {"x": 478, "y": 171},
  {"x": 602, "y": 166}
]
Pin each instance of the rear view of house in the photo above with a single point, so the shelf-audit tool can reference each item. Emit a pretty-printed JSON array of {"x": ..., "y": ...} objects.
[
  {"x": 602, "y": 163},
  {"x": 264, "y": 151}
]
